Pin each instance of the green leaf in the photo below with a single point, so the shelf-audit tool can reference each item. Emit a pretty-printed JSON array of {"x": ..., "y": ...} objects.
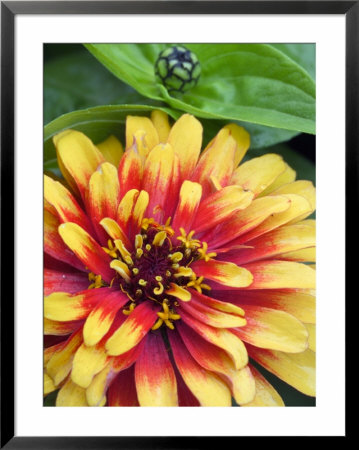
[
  {"x": 97, "y": 123},
  {"x": 303, "y": 54},
  {"x": 254, "y": 83},
  {"x": 77, "y": 80}
]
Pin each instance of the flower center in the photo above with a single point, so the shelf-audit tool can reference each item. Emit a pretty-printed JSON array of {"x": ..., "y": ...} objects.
[{"x": 157, "y": 269}]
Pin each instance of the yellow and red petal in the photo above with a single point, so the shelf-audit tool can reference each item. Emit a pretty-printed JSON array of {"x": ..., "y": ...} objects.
[
  {"x": 218, "y": 207},
  {"x": 60, "y": 363},
  {"x": 304, "y": 255},
  {"x": 134, "y": 124},
  {"x": 216, "y": 161},
  {"x": 56, "y": 328},
  {"x": 214, "y": 359},
  {"x": 185, "y": 138},
  {"x": 87, "y": 250},
  {"x": 179, "y": 292},
  {"x": 103, "y": 196},
  {"x": 87, "y": 362},
  {"x": 300, "y": 303},
  {"x": 155, "y": 378},
  {"x": 206, "y": 386},
  {"x": 281, "y": 240},
  {"x": 244, "y": 221},
  {"x": 311, "y": 328},
  {"x": 122, "y": 391},
  {"x": 130, "y": 171},
  {"x": 96, "y": 391},
  {"x": 111, "y": 149},
  {"x": 223, "y": 272},
  {"x": 55, "y": 281},
  {"x": 115, "y": 232},
  {"x": 258, "y": 173},
  {"x": 296, "y": 369},
  {"x": 189, "y": 200},
  {"x": 211, "y": 316},
  {"x": 54, "y": 245},
  {"x": 299, "y": 207},
  {"x": 102, "y": 316},
  {"x": 157, "y": 178},
  {"x": 265, "y": 394},
  {"x": 65, "y": 307},
  {"x": 66, "y": 206},
  {"x": 280, "y": 275},
  {"x": 225, "y": 306},
  {"x": 133, "y": 330},
  {"x": 48, "y": 384},
  {"x": 270, "y": 328},
  {"x": 79, "y": 156},
  {"x": 71, "y": 395},
  {"x": 221, "y": 338}
]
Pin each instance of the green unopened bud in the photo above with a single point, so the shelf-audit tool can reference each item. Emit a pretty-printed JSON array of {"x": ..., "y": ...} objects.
[{"x": 178, "y": 69}]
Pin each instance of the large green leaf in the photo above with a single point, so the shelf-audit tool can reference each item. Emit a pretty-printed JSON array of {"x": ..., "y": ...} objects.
[
  {"x": 97, "y": 123},
  {"x": 254, "y": 83},
  {"x": 77, "y": 80},
  {"x": 303, "y": 54}
]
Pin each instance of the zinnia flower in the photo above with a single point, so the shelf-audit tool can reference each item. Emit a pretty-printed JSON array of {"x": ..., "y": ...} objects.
[{"x": 166, "y": 269}]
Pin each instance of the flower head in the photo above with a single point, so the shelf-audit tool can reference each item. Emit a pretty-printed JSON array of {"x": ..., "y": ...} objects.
[{"x": 166, "y": 269}]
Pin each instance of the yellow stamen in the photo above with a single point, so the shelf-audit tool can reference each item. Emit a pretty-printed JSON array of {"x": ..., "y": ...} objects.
[
  {"x": 138, "y": 241},
  {"x": 139, "y": 292},
  {"x": 168, "y": 273},
  {"x": 158, "y": 290},
  {"x": 111, "y": 250},
  {"x": 157, "y": 324},
  {"x": 203, "y": 252},
  {"x": 97, "y": 281},
  {"x": 139, "y": 253},
  {"x": 198, "y": 285},
  {"x": 159, "y": 239},
  {"x": 128, "y": 311},
  {"x": 135, "y": 271},
  {"x": 158, "y": 278},
  {"x": 148, "y": 247},
  {"x": 183, "y": 272},
  {"x": 187, "y": 240},
  {"x": 176, "y": 257},
  {"x": 142, "y": 282}
]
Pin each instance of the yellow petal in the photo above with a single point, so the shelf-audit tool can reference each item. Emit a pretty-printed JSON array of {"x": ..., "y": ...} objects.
[
  {"x": 71, "y": 395},
  {"x": 258, "y": 173},
  {"x": 115, "y": 232},
  {"x": 296, "y": 369},
  {"x": 312, "y": 335},
  {"x": 88, "y": 361},
  {"x": 61, "y": 306},
  {"x": 288, "y": 176},
  {"x": 48, "y": 384},
  {"x": 303, "y": 255},
  {"x": 125, "y": 207},
  {"x": 111, "y": 149},
  {"x": 277, "y": 330},
  {"x": 135, "y": 124},
  {"x": 223, "y": 272},
  {"x": 281, "y": 275},
  {"x": 60, "y": 364},
  {"x": 265, "y": 394},
  {"x": 79, "y": 156},
  {"x": 185, "y": 138},
  {"x": 161, "y": 123},
  {"x": 243, "y": 140},
  {"x": 300, "y": 187},
  {"x": 97, "y": 389}
]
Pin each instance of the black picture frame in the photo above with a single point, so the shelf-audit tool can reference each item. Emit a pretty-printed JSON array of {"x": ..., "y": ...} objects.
[{"x": 9, "y": 10}]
